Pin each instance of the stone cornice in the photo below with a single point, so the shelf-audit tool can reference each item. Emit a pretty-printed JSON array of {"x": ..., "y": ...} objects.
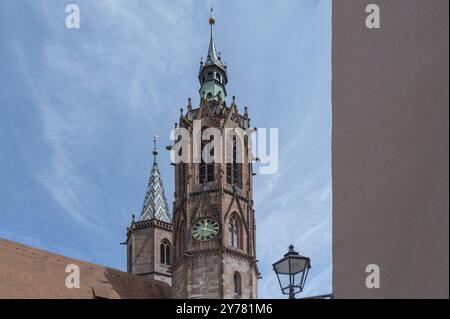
[{"x": 155, "y": 223}]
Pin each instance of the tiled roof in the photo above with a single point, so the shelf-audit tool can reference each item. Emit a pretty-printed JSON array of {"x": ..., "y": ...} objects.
[{"x": 27, "y": 272}]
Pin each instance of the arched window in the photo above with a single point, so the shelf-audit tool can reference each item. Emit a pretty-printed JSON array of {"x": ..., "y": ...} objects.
[
  {"x": 234, "y": 164},
  {"x": 206, "y": 170},
  {"x": 164, "y": 252},
  {"x": 168, "y": 255},
  {"x": 234, "y": 230},
  {"x": 218, "y": 77},
  {"x": 210, "y": 75},
  {"x": 237, "y": 284}
]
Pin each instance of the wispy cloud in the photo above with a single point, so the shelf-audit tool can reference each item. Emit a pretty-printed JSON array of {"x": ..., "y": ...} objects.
[{"x": 77, "y": 75}]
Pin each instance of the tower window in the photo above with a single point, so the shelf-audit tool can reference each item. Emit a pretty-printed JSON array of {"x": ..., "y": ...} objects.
[
  {"x": 210, "y": 76},
  {"x": 234, "y": 233},
  {"x": 168, "y": 255},
  {"x": 202, "y": 172},
  {"x": 164, "y": 252},
  {"x": 234, "y": 168},
  {"x": 206, "y": 170},
  {"x": 237, "y": 284},
  {"x": 218, "y": 78},
  {"x": 210, "y": 172}
]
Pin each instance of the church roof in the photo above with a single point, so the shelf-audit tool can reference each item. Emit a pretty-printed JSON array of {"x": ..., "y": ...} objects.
[
  {"x": 155, "y": 201},
  {"x": 27, "y": 272}
]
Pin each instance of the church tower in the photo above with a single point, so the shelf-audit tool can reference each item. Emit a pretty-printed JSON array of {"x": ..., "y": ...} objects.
[
  {"x": 149, "y": 240},
  {"x": 213, "y": 216}
]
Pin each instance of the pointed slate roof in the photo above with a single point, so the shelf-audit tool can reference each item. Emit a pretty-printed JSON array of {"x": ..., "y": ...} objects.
[{"x": 155, "y": 202}]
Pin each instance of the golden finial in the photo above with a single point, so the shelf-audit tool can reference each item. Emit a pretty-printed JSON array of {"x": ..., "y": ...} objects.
[{"x": 212, "y": 21}]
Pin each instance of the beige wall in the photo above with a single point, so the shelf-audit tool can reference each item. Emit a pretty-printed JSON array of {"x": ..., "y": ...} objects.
[{"x": 390, "y": 149}]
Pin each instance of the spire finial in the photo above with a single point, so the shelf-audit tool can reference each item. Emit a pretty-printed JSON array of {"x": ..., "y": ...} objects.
[
  {"x": 155, "y": 150},
  {"x": 212, "y": 53},
  {"x": 212, "y": 21}
]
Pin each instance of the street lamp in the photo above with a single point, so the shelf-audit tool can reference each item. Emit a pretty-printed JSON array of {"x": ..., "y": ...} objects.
[{"x": 292, "y": 271}]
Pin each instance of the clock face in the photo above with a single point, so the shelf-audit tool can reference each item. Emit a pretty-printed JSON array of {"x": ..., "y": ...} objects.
[{"x": 205, "y": 229}]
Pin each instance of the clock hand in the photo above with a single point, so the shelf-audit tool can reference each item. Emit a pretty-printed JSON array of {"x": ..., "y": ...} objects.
[{"x": 205, "y": 228}]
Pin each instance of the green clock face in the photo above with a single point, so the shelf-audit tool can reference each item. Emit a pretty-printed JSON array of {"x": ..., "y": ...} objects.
[{"x": 205, "y": 229}]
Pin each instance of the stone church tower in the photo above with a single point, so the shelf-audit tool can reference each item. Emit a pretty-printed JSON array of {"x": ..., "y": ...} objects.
[
  {"x": 212, "y": 253},
  {"x": 149, "y": 240},
  {"x": 213, "y": 215}
]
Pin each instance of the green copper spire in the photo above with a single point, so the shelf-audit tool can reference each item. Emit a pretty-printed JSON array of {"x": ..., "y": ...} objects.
[{"x": 213, "y": 73}]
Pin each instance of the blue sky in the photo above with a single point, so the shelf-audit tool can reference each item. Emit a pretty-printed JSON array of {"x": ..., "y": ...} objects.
[{"x": 78, "y": 109}]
